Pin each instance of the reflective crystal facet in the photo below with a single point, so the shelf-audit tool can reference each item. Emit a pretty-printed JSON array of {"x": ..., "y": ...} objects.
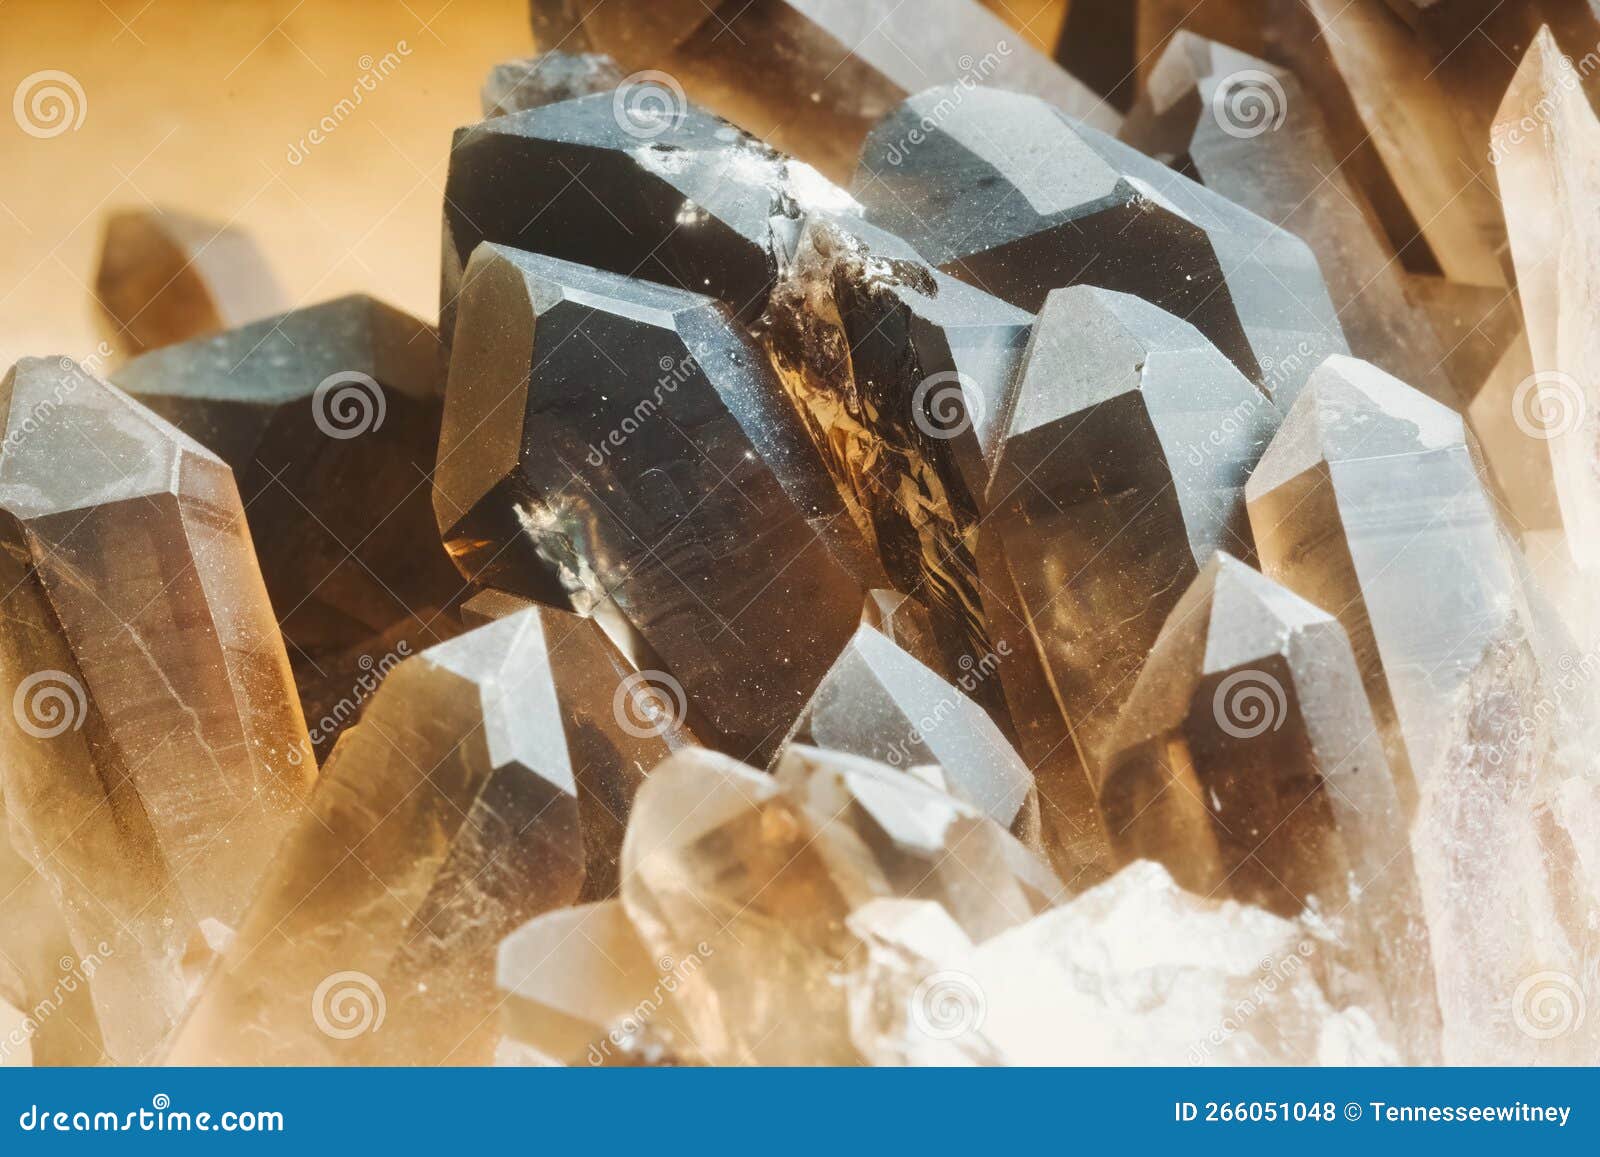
[
  {"x": 1247, "y": 762},
  {"x": 549, "y": 78},
  {"x": 903, "y": 375},
  {"x": 166, "y": 277},
  {"x": 1370, "y": 503},
  {"x": 878, "y": 702},
  {"x": 146, "y": 763},
  {"x": 1547, "y": 140},
  {"x": 758, "y": 874},
  {"x": 1121, "y": 473},
  {"x": 677, "y": 197},
  {"x": 607, "y": 438},
  {"x": 329, "y": 416},
  {"x": 1249, "y": 132},
  {"x": 1007, "y": 193},
  {"x": 488, "y": 781},
  {"x": 581, "y": 989},
  {"x": 812, "y": 76}
]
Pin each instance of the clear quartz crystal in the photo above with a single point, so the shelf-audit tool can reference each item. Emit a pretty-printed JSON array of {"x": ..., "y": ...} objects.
[
  {"x": 148, "y": 759},
  {"x": 1370, "y": 502}
]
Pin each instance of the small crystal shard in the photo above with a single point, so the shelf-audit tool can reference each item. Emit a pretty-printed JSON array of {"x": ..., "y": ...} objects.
[
  {"x": 878, "y": 702},
  {"x": 167, "y": 277},
  {"x": 1007, "y": 193},
  {"x": 607, "y": 438},
  {"x": 811, "y": 76},
  {"x": 581, "y": 989},
  {"x": 1370, "y": 503},
  {"x": 1247, "y": 762},
  {"x": 488, "y": 781},
  {"x": 147, "y": 764},
  {"x": 1248, "y": 131},
  {"x": 549, "y": 78}
]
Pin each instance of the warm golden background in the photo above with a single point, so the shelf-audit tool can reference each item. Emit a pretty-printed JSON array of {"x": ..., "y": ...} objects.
[{"x": 195, "y": 104}]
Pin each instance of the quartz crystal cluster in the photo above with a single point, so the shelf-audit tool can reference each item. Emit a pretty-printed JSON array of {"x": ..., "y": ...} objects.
[{"x": 895, "y": 553}]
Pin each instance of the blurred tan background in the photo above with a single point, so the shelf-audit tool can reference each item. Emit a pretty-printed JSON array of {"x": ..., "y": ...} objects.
[
  {"x": 196, "y": 104},
  {"x": 199, "y": 104}
]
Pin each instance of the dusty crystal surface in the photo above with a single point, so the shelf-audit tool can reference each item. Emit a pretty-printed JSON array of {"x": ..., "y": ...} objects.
[
  {"x": 810, "y": 76},
  {"x": 166, "y": 276},
  {"x": 629, "y": 442},
  {"x": 1247, "y": 762},
  {"x": 549, "y": 78},
  {"x": 1473, "y": 682},
  {"x": 488, "y": 781},
  {"x": 148, "y": 766},
  {"x": 1007, "y": 193}
]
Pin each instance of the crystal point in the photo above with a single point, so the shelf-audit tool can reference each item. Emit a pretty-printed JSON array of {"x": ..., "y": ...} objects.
[{"x": 608, "y": 438}]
